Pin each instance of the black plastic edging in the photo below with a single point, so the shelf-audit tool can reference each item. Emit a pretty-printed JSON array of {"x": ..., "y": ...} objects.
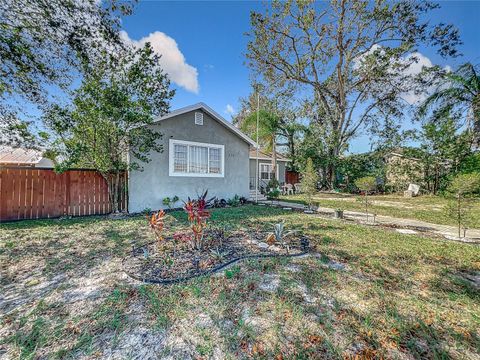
[{"x": 207, "y": 272}]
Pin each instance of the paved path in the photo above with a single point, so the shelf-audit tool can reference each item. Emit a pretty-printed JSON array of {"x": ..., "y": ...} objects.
[{"x": 449, "y": 232}]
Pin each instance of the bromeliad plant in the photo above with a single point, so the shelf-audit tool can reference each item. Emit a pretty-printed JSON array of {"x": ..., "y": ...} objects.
[
  {"x": 198, "y": 214},
  {"x": 157, "y": 224}
]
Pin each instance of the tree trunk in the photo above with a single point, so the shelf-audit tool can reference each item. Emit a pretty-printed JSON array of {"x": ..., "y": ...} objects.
[
  {"x": 459, "y": 214},
  {"x": 291, "y": 145},
  {"x": 113, "y": 182},
  {"x": 274, "y": 162},
  {"x": 331, "y": 167}
]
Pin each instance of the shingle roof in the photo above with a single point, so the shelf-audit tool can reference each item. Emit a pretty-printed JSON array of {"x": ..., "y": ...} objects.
[{"x": 19, "y": 156}]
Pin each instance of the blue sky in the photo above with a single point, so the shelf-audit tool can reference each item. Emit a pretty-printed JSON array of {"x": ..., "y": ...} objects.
[{"x": 210, "y": 37}]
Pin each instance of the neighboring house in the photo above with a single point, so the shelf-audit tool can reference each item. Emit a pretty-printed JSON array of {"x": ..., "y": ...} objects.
[
  {"x": 201, "y": 151},
  {"x": 401, "y": 170},
  {"x": 265, "y": 168},
  {"x": 24, "y": 157}
]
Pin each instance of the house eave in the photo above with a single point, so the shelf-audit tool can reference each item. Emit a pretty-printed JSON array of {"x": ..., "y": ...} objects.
[{"x": 269, "y": 159}]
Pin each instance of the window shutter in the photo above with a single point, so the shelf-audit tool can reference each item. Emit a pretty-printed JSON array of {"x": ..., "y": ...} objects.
[{"x": 198, "y": 118}]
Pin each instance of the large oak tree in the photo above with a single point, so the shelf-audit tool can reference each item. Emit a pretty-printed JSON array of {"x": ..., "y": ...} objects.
[{"x": 352, "y": 55}]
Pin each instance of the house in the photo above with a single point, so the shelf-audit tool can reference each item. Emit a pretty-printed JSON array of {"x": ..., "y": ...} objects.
[
  {"x": 201, "y": 151},
  {"x": 23, "y": 157},
  {"x": 265, "y": 168}
]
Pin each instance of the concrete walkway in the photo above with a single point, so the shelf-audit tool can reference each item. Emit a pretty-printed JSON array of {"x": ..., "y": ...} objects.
[{"x": 406, "y": 226}]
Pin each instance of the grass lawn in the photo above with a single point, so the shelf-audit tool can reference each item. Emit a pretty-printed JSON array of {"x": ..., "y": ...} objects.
[
  {"x": 426, "y": 208},
  {"x": 366, "y": 291}
]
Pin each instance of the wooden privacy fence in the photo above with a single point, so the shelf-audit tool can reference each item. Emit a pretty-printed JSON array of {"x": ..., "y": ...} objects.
[{"x": 30, "y": 193}]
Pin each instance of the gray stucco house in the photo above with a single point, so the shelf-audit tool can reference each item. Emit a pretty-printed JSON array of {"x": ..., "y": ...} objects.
[{"x": 201, "y": 150}]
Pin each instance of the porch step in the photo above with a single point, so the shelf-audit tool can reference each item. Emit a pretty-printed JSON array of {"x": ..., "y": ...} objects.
[{"x": 260, "y": 196}]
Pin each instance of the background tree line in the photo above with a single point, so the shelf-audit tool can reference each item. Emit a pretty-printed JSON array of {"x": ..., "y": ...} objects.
[{"x": 330, "y": 71}]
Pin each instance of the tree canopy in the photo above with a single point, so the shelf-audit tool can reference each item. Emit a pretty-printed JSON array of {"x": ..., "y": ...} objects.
[
  {"x": 43, "y": 47},
  {"x": 109, "y": 117},
  {"x": 352, "y": 56}
]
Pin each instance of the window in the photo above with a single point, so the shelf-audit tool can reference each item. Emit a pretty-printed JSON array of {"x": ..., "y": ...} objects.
[
  {"x": 265, "y": 171},
  {"x": 188, "y": 158},
  {"x": 180, "y": 158}
]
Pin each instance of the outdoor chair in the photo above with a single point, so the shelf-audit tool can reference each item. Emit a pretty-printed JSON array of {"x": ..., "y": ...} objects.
[
  {"x": 298, "y": 188},
  {"x": 288, "y": 189}
]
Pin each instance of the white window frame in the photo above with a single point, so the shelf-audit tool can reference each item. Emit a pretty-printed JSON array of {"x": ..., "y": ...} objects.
[
  {"x": 171, "y": 153},
  {"x": 270, "y": 166}
]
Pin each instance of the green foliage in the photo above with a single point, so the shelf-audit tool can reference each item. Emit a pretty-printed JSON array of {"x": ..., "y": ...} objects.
[
  {"x": 366, "y": 184},
  {"x": 273, "y": 184},
  {"x": 109, "y": 116},
  {"x": 442, "y": 151},
  {"x": 348, "y": 82},
  {"x": 235, "y": 201},
  {"x": 278, "y": 100},
  {"x": 170, "y": 203},
  {"x": 273, "y": 193},
  {"x": 268, "y": 130},
  {"x": 457, "y": 93},
  {"x": 462, "y": 188},
  {"x": 43, "y": 47},
  {"x": 232, "y": 272},
  {"x": 355, "y": 166},
  {"x": 465, "y": 184},
  {"x": 470, "y": 164},
  {"x": 309, "y": 181},
  {"x": 29, "y": 341},
  {"x": 281, "y": 235}
]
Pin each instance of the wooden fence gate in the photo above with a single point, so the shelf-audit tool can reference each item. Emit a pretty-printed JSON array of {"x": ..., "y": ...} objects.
[{"x": 30, "y": 193}]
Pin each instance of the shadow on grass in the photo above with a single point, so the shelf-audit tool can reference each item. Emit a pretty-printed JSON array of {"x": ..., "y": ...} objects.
[
  {"x": 456, "y": 285},
  {"x": 415, "y": 337},
  {"x": 64, "y": 222}
]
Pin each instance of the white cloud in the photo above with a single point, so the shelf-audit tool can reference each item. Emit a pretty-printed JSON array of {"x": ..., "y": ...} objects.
[
  {"x": 229, "y": 109},
  {"x": 172, "y": 60},
  {"x": 417, "y": 61}
]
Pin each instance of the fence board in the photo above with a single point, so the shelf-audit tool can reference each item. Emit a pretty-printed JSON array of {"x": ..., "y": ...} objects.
[{"x": 30, "y": 193}]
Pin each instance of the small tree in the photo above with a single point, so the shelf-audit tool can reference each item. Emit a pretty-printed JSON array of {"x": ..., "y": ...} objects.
[
  {"x": 109, "y": 117},
  {"x": 462, "y": 189},
  {"x": 366, "y": 184},
  {"x": 309, "y": 182}
]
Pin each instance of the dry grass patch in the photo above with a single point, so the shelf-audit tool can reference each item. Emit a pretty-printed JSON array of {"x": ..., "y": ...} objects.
[{"x": 365, "y": 291}]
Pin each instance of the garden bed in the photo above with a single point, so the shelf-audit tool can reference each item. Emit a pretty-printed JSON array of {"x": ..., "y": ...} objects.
[{"x": 171, "y": 262}]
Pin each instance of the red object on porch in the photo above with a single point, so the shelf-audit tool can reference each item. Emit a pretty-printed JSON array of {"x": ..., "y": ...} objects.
[{"x": 292, "y": 177}]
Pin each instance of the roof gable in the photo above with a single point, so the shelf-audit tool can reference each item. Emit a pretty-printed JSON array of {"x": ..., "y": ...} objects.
[{"x": 213, "y": 114}]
